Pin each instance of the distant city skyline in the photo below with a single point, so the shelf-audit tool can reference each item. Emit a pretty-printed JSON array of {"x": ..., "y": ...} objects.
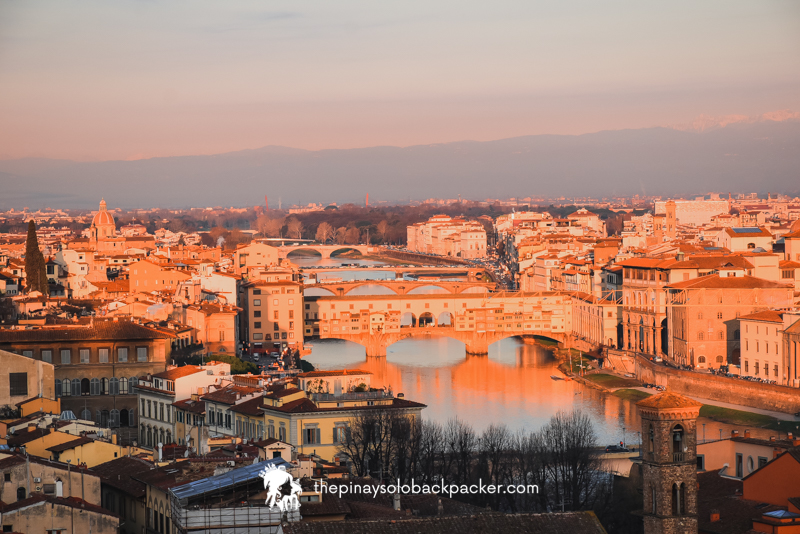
[{"x": 129, "y": 80}]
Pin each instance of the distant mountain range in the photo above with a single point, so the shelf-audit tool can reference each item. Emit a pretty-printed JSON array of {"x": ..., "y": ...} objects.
[{"x": 742, "y": 156}]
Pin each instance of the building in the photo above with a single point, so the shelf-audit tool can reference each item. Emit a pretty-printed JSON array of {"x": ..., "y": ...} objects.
[
  {"x": 23, "y": 378},
  {"x": 596, "y": 320},
  {"x": 96, "y": 364},
  {"x": 27, "y": 475},
  {"x": 254, "y": 257},
  {"x": 744, "y": 239},
  {"x": 737, "y": 456},
  {"x": 45, "y": 513},
  {"x": 761, "y": 343},
  {"x": 272, "y": 313},
  {"x": 445, "y": 236},
  {"x": 704, "y": 313},
  {"x": 669, "y": 463},
  {"x": 158, "y": 393},
  {"x": 696, "y": 212},
  {"x": 644, "y": 309},
  {"x": 148, "y": 276},
  {"x": 122, "y": 494}
]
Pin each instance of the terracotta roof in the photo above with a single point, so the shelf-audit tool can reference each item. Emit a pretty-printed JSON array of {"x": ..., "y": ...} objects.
[
  {"x": 646, "y": 263},
  {"x": 249, "y": 407},
  {"x": 306, "y": 405},
  {"x": 99, "y": 330},
  {"x": 757, "y": 232},
  {"x": 190, "y": 405},
  {"x": 229, "y": 394},
  {"x": 720, "y": 495},
  {"x": 118, "y": 474},
  {"x": 767, "y": 316},
  {"x": 61, "y": 447},
  {"x": 180, "y": 372},
  {"x": 71, "y": 502},
  {"x": 667, "y": 400},
  {"x": 784, "y": 264},
  {"x": 714, "y": 281}
]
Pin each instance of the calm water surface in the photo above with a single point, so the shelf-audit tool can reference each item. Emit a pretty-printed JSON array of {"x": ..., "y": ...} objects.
[{"x": 511, "y": 385}]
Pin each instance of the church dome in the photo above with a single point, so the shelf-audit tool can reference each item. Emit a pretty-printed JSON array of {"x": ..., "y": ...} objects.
[{"x": 103, "y": 217}]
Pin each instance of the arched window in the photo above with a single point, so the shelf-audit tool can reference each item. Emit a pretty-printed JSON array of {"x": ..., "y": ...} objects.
[
  {"x": 721, "y": 334},
  {"x": 58, "y": 389},
  {"x": 132, "y": 382},
  {"x": 85, "y": 386},
  {"x": 699, "y": 315},
  {"x": 113, "y": 386},
  {"x": 682, "y": 500},
  {"x": 59, "y": 488},
  {"x": 653, "y": 498},
  {"x": 751, "y": 245},
  {"x": 700, "y": 336},
  {"x": 95, "y": 386},
  {"x": 652, "y": 439},
  {"x": 104, "y": 386},
  {"x": 123, "y": 418},
  {"x": 678, "y": 438},
  {"x": 123, "y": 386},
  {"x": 736, "y": 335},
  {"x": 86, "y": 414},
  {"x": 114, "y": 419},
  {"x": 143, "y": 436},
  {"x": 21, "y": 493},
  {"x": 701, "y": 359},
  {"x": 720, "y": 359},
  {"x": 76, "y": 387},
  {"x": 169, "y": 437},
  {"x": 676, "y": 500},
  {"x": 149, "y": 437}
]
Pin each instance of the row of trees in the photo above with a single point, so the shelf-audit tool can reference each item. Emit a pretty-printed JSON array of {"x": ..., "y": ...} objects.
[{"x": 560, "y": 458}]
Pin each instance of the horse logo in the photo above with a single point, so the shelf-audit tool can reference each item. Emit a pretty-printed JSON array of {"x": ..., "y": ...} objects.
[{"x": 282, "y": 490}]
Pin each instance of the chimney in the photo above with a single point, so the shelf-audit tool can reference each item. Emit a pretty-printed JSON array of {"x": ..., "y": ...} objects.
[
  {"x": 396, "y": 502},
  {"x": 114, "y": 438},
  {"x": 789, "y": 436},
  {"x": 796, "y": 442},
  {"x": 772, "y": 438},
  {"x": 734, "y": 433},
  {"x": 714, "y": 516},
  {"x": 159, "y": 451},
  {"x": 747, "y": 433}
]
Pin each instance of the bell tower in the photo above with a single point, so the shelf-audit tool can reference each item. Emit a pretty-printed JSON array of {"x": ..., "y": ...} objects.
[{"x": 669, "y": 463}]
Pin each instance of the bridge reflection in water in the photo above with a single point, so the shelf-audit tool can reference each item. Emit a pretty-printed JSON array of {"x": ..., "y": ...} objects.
[{"x": 511, "y": 386}]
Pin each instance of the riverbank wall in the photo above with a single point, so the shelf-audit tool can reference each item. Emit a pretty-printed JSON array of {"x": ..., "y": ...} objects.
[
  {"x": 720, "y": 388},
  {"x": 423, "y": 259}
]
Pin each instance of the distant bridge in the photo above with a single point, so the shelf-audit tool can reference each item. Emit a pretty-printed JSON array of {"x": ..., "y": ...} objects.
[
  {"x": 326, "y": 250},
  {"x": 477, "y": 320}
]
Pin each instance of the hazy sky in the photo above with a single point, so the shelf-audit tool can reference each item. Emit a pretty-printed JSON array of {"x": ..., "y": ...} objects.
[{"x": 130, "y": 79}]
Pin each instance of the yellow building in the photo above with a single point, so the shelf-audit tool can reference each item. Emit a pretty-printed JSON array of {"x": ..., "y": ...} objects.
[
  {"x": 317, "y": 423},
  {"x": 44, "y": 513}
]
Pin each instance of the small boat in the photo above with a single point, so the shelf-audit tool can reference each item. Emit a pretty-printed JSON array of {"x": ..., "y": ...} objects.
[{"x": 554, "y": 377}]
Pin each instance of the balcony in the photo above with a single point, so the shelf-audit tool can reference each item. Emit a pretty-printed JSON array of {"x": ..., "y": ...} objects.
[{"x": 679, "y": 456}]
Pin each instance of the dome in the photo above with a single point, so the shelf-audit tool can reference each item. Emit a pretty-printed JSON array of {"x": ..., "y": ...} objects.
[{"x": 103, "y": 217}]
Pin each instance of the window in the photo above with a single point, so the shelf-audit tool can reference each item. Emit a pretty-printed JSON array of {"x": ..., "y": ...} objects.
[
  {"x": 340, "y": 433},
  {"x": 274, "y": 302},
  {"x": 746, "y": 366},
  {"x": 27, "y": 353},
  {"x": 18, "y": 383},
  {"x": 275, "y": 326},
  {"x": 721, "y": 334},
  {"x": 84, "y": 354},
  {"x": 256, "y": 292},
  {"x": 258, "y": 336},
  {"x": 787, "y": 274},
  {"x": 700, "y": 336},
  {"x": 311, "y": 436},
  {"x": 257, "y": 313},
  {"x": 275, "y": 315},
  {"x": 766, "y": 369},
  {"x": 141, "y": 354},
  {"x": 699, "y": 315},
  {"x": 47, "y": 356},
  {"x": 282, "y": 432},
  {"x": 701, "y": 462},
  {"x": 122, "y": 354},
  {"x": 256, "y": 302},
  {"x": 257, "y": 324},
  {"x": 762, "y": 461},
  {"x": 776, "y": 370},
  {"x": 102, "y": 355},
  {"x": 66, "y": 357},
  {"x": 719, "y": 315},
  {"x": 756, "y": 367}
]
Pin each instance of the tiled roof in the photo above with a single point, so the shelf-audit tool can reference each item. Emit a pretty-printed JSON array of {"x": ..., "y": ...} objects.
[
  {"x": 61, "y": 447},
  {"x": 71, "y": 502},
  {"x": 118, "y": 474},
  {"x": 99, "y": 330},
  {"x": 190, "y": 405},
  {"x": 249, "y": 407},
  {"x": 666, "y": 400},
  {"x": 228, "y": 394},
  {"x": 769, "y": 316},
  {"x": 305, "y": 405},
  {"x": 715, "y": 281},
  {"x": 719, "y": 494},
  {"x": 180, "y": 372}
]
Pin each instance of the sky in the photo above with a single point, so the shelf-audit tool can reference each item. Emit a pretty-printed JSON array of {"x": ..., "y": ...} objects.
[{"x": 131, "y": 79}]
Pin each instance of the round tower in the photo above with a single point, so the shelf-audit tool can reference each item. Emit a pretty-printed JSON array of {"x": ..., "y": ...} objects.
[{"x": 669, "y": 463}]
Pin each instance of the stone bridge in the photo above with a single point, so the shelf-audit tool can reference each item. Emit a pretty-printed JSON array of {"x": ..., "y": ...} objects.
[
  {"x": 404, "y": 287},
  {"x": 477, "y": 320},
  {"x": 475, "y": 343},
  {"x": 326, "y": 250}
]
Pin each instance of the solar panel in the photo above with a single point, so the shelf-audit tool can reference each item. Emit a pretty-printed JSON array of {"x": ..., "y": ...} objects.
[
  {"x": 218, "y": 482},
  {"x": 746, "y": 230}
]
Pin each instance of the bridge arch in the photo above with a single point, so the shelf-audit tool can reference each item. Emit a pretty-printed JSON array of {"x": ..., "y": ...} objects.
[
  {"x": 369, "y": 289},
  {"x": 304, "y": 252},
  {"x": 426, "y": 319},
  {"x": 429, "y": 289},
  {"x": 408, "y": 319},
  {"x": 340, "y": 251},
  {"x": 445, "y": 319},
  {"x": 474, "y": 289}
]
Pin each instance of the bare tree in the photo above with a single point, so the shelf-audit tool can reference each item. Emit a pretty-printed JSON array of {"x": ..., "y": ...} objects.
[
  {"x": 353, "y": 236},
  {"x": 341, "y": 235},
  {"x": 383, "y": 230},
  {"x": 294, "y": 227},
  {"x": 324, "y": 232}
]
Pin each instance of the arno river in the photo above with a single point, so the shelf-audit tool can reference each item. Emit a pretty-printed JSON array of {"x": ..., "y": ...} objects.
[{"x": 511, "y": 385}]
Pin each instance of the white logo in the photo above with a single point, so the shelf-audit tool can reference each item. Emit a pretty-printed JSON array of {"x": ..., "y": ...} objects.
[{"x": 282, "y": 490}]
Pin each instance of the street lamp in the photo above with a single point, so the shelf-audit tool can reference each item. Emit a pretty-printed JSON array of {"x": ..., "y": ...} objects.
[{"x": 704, "y": 432}]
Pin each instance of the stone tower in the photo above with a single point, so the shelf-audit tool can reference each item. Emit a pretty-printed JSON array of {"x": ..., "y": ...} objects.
[
  {"x": 671, "y": 222},
  {"x": 669, "y": 463}
]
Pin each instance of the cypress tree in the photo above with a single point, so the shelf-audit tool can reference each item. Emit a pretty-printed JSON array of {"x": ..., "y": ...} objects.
[{"x": 35, "y": 268}]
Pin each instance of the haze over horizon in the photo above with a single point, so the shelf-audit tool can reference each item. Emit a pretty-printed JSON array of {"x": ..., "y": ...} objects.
[{"x": 129, "y": 80}]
